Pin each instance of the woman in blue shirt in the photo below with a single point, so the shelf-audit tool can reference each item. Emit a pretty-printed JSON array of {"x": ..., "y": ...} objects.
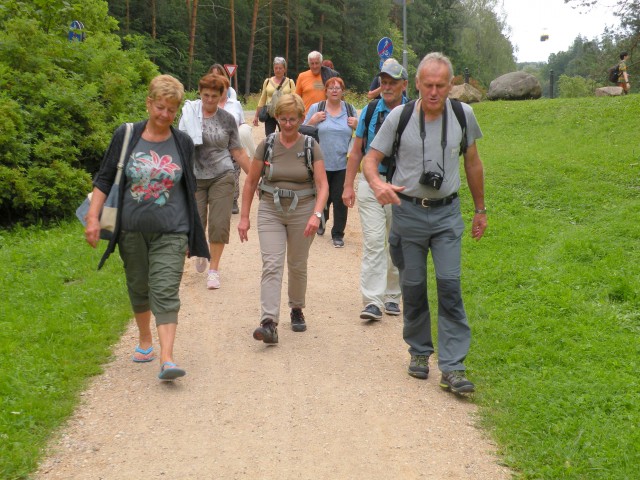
[{"x": 336, "y": 121}]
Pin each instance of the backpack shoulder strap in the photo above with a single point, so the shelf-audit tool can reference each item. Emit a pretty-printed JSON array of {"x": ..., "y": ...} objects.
[
  {"x": 322, "y": 104},
  {"x": 371, "y": 107},
  {"x": 456, "y": 105},
  {"x": 405, "y": 116},
  {"x": 351, "y": 110},
  {"x": 268, "y": 151},
  {"x": 308, "y": 153}
]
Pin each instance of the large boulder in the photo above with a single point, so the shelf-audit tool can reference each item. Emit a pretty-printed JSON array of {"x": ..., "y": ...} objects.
[
  {"x": 515, "y": 86},
  {"x": 609, "y": 91},
  {"x": 465, "y": 93}
]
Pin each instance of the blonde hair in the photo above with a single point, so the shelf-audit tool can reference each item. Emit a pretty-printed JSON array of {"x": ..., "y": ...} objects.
[
  {"x": 290, "y": 102},
  {"x": 166, "y": 87}
]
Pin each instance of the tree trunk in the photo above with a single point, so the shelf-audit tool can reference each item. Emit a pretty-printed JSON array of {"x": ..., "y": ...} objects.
[
  {"x": 287, "y": 32},
  {"x": 297, "y": 38},
  {"x": 153, "y": 19},
  {"x": 270, "y": 57},
  {"x": 127, "y": 21},
  {"x": 233, "y": 42},
  {"x": 252, "y": 41},
  {"x": 320, "y": 43},
  {"x": 192, "y": 38}
]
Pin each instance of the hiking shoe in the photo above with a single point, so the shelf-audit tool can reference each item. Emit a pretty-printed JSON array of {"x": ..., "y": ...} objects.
[
  {"x": 391, "y": 308},
  {"x": 419, "y": 366},
  {"x": 456, "y": 382},
  {"x": 371, "y": 312},
  {"x": 267, "y": 332},
  {"x": 201, "y": 264},
  {"x": 297, "y": 320},
  {"x": 213, "y": 280},
  {"x": 338, "y": 243},
  {"x": 235, "y": 209}
]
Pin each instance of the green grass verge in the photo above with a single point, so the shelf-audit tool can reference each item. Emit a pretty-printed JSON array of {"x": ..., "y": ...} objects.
[
  {"x": 56, "y": 330},
  {"x": 551, "y": 293}
]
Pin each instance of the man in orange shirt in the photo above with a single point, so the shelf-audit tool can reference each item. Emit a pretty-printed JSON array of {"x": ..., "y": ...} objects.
[{"x": 310, "y": 84}]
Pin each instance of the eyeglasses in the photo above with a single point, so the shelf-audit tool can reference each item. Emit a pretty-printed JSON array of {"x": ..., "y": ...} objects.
[
  {"x": 334, "y": 88},
  {"x": 290, "y": 121}
]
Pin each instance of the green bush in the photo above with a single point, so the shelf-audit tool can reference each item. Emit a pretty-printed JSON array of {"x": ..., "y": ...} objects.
[{"x": 575, "y": 87}]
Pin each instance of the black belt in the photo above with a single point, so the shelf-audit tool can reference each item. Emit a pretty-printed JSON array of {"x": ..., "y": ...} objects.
[{"x": 428, "y": 202}]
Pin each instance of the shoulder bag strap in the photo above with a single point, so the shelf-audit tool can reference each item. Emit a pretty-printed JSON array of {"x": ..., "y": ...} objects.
[{"x": 123, "y": 152}]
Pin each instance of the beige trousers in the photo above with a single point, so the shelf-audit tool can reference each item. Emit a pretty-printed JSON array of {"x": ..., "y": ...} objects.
[{"x": 283, "y": 234}]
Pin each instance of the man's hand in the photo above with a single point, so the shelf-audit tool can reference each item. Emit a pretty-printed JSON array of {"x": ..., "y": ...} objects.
[
  {"x": 479, "y": 225},
  {"x": 386, "y": 193}
]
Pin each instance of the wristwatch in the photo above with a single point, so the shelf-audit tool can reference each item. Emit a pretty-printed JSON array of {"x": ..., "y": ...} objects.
[
  {"x": 318, "y": 214},
  {"x": 481, "y": 211}
]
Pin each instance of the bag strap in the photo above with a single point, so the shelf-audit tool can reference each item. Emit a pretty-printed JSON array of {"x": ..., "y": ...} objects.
[
  {"x": 281, "y": 83},
  {"x": 462, "y": 120},
  {"x": 322, "y": 104},
  {"x": 371, "y": 107},
  {"x": 123, "y": 153}
]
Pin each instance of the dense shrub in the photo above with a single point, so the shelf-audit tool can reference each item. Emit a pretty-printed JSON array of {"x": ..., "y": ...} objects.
[{"x": 574, "y": 87}]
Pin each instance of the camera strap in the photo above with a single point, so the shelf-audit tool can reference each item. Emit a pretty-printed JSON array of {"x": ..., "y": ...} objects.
[{"x": 443, "y": 137}]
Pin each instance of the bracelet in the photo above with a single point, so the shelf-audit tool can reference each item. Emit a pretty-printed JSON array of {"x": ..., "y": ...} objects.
[{"x": 481, "y": 211}]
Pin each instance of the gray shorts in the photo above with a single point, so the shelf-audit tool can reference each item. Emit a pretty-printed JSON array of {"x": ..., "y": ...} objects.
[{"x": 153, "y": 265}]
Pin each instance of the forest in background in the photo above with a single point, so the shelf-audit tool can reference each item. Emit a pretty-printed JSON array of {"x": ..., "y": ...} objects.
[{"x": 61, "y": 99}]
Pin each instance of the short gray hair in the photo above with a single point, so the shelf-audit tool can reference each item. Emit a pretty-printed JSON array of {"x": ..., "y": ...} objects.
[
  {"x": 314, "y": 54},
  {"x": 438, "y": 58},
  {"x": 280, "y": 61}
]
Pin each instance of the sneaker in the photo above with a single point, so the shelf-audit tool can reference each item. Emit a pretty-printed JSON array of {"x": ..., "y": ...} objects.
[
  {"x": 391, "y": 308},
  {"x": 213, "y": 280},
  {"x": 297, "y": 320},
  {"x": 338, "y": 243},
  {"x": 371, "y": 312},
  {"x": 235, "y": 209},
  {"x": 320, "y": 230},
  {"x": 267, "y": 332},
  {"x": 201, "y": 264},
  {"x": 456, "y": 382},
  {"x": 419, "y": 366}
]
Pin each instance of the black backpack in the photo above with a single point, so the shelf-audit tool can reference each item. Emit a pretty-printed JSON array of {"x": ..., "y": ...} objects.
[
  {"x": 614, "y": 73},
  {"x": 407, "y": 111},
  {"x": 312, "y": 130}
]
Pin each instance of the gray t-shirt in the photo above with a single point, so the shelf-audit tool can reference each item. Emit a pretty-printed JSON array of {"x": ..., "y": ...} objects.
[
  {"x": 154, "y": 196},
  {"x": 219, "y": 135},
  {"x": 411, "y": 162}
]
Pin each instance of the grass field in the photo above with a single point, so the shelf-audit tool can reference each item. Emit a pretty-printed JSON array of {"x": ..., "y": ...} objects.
[{"x": 551, "y": 292}]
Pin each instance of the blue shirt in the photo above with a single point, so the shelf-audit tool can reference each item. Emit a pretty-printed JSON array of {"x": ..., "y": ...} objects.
[
  {"x": 381, "y": 113},
  {"x": 335, "y": 135}
]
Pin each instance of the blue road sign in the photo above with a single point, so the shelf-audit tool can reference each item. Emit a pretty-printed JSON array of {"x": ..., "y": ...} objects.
[{"x": 385, "y": 47}]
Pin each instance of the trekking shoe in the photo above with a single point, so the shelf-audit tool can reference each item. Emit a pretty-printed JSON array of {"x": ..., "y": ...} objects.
[
  {"x": 456, "y": 382},
  {"x": 235, "y": 209},
  {"x": 391, "y": 308},
  {"x": 419, "y": 366},
  {"x": 297, "y": 320},
  {"x": 338, "y": 243},
  {"x": 213, "y": 280},
  {"x": 371, "y": 312},
  {"x": 201, "y": 264},
  {"x": 267, "y": 332}
]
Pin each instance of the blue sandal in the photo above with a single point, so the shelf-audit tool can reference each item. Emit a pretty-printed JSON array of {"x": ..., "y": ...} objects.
[
  {"x": 142, "y": 356},
  {"x": 170, "y": 371}
]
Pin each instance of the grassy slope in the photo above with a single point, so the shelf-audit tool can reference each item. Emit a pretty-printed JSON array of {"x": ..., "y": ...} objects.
[{"x": 551, "y": 291}]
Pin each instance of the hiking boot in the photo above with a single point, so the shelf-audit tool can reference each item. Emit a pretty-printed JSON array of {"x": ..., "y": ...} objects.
[
  {"x": 213, "y": 280},
  {"x": 419, "y": 366},
  {"x": 235, "y": 209},
  {"x": 297, "y": 320},
  {"x": 391, "y": 308},
  {"x": 338, "y": 243},
  {"x": 456, "y": 382},
  {"x": 267, "y": 332},
  {"x": 371, "y": 312}
]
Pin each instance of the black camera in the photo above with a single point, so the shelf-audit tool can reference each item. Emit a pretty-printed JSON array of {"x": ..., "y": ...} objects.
[{"x": 431, "y": 179}]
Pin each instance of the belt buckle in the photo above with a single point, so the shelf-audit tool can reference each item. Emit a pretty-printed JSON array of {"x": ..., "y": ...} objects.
[{"x": 425, "y": 202}]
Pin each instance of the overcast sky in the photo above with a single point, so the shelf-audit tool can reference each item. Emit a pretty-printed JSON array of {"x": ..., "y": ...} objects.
[{"x": 528, "y": 19}]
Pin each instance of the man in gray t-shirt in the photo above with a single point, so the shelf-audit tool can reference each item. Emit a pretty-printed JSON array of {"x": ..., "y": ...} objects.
[{"x": 426, "y": 217}]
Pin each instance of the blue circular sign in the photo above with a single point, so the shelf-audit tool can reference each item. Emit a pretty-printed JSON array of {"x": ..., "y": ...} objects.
[{"x": 385, "y": 47}]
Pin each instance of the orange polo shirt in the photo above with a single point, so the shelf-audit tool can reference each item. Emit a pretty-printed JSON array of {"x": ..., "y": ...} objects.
[{"x": 310, "y": 88}]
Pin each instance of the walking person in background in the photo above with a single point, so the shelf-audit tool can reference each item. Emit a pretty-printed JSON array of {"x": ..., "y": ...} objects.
[
  {"x": 157, "y": 224},
  {"x": 379, "y": 281},
  {"x": 427, "y": 217},
  {"x": 310, "y": 83},
  {"x": 336, "y": 120},
  {"x": 623, "y": 75},
  {"x": 278, "y": 83},
  {"x": 245, "y": 132},
  {"x": 293, "y": 193},
  {"x": 218, "y": 69},
  {"x": 215, "y": 134}
]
